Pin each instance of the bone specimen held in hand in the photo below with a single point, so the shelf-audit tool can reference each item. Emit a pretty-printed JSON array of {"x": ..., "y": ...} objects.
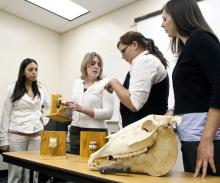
[{"x": 58, "y": 111}]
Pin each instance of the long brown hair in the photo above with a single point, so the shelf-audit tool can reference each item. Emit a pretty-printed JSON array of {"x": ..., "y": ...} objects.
[
  {"x": 187, "y": 17},
  {"x": 20, "y": 88}
]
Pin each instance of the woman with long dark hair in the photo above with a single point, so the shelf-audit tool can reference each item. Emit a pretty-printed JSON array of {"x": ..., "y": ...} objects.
[
  {"x": 196, "y": 83},
  {"x": 146, "y": 87},
  {"x": 22, "y": 118}
]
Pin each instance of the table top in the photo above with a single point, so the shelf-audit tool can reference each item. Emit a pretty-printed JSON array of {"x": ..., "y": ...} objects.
[{"x": 78, "y": 166}]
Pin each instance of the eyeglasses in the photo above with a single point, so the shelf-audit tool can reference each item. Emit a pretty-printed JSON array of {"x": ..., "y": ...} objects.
[{"x": 124, "y": 49}]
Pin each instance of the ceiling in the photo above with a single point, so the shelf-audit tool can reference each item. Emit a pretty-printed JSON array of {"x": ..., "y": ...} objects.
[{"x": 35, "y": 14}]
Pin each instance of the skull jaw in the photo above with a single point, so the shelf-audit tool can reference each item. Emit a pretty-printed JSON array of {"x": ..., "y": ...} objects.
[{"x": 158, "y": 161}]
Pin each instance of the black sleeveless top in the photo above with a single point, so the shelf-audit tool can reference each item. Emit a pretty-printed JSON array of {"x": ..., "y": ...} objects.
[{"x": 157, "y": 102}]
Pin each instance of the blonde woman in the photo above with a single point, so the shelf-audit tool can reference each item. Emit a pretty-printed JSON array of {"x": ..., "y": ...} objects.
[{"x": 91, "y": 104}]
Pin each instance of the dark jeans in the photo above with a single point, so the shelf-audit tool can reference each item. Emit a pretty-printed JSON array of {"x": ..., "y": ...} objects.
[
  {"x": 189, "y": 153},
  {"x": 75, "y": 137}
]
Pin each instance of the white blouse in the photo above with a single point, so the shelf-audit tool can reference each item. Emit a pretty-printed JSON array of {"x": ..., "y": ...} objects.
[
  {"x": 146, "y": 70},
  {"x": 95, "y": 97},
  {"x": 24, "y": 115}
]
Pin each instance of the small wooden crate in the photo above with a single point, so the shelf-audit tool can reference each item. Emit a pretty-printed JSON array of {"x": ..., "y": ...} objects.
[
  {"x": 88, "y": 136},
  {"x": 60, "y": 149}
]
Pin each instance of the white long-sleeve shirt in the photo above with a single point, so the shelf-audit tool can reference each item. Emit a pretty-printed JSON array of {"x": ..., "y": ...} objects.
[
  {"x": 24, "y": 115},
  {"x": 95, "y": 97},
  {"x": 146, "y": 70}
]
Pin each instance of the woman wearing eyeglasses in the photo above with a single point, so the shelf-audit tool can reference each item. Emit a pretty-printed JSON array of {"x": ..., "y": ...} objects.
[{"x": 146, "y": 87}]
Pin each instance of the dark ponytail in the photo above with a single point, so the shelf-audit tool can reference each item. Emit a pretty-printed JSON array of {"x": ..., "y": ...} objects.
[
  {"x": 154, "y": 50},
  {"x": 146, "y": 43}
]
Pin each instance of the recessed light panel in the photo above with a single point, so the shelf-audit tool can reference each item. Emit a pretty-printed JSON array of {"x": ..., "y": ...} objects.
[{"x": 64, "y": 8}]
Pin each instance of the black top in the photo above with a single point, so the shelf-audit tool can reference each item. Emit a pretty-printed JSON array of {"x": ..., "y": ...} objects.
[
  {"x": 196, "y": 76},
  {"x": 157, "y": 102}
]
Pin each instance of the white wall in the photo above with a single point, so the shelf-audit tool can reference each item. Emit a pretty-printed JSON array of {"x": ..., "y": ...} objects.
[{"x": 20, "y": 39}]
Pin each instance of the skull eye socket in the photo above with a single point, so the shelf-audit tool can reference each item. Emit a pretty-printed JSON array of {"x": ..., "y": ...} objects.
[
  {"x": 147, "y": 130},
  {"x": 148, "y": 126}
]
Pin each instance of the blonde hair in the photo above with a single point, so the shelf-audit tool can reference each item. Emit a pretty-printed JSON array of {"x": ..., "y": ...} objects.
[{"x": 87, "y": 60}]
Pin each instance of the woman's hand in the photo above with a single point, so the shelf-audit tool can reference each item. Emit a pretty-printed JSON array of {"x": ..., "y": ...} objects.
[
  {"x": 205, "y": 150},
  {"x": 108, "y": 87},
  {"x": 73, "y": 106},
  {"x": 169, "y": 112},
  {"x": 5, "y": 148},
  {"x": 205, "y": 157}
]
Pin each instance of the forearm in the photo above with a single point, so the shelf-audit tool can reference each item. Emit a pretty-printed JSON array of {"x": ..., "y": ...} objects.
[
  {"x": 75, "y": 106},
  {"x": 212, "y": 124},
  {"x": 87, "y": 110},
  {"x": 123, "y": 94},
  {"x": 105, "y": 112}
]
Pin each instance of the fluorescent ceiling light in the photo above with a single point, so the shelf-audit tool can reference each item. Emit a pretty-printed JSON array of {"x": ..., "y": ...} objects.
[{"x": 64, "y": 8}]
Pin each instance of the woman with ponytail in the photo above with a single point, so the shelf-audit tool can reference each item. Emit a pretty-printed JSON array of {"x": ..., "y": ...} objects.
[{"x": 146, "y": 87}]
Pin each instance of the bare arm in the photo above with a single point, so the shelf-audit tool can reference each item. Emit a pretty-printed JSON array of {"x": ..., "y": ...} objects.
[
  {"x": 205, "y": 151},
  {"x": 122, "y": 93}
]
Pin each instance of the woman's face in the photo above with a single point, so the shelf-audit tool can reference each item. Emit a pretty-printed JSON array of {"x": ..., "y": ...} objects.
[
  {"x": 31, "y": 72},
  {"x": 94, "y": 68},
  {"x": 168, "y": 24},
  {"x": 126, "y": 52}
]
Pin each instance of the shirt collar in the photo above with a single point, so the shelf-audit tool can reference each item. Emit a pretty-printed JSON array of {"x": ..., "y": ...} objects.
[{"x": 140, "y": 55}]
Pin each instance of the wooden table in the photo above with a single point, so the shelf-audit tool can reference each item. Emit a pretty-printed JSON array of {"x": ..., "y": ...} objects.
[{"x": 74, "y": 168}]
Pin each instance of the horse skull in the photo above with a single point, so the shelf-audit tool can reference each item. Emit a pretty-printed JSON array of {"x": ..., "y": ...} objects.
[{"x": 147, "y": 146}]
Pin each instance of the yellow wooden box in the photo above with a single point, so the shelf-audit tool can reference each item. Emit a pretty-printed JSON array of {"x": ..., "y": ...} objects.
[
  {"x": 53, "y": 143},
  {"x": 58, "y": 110},
  {"x": 87, "y": 137}
]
